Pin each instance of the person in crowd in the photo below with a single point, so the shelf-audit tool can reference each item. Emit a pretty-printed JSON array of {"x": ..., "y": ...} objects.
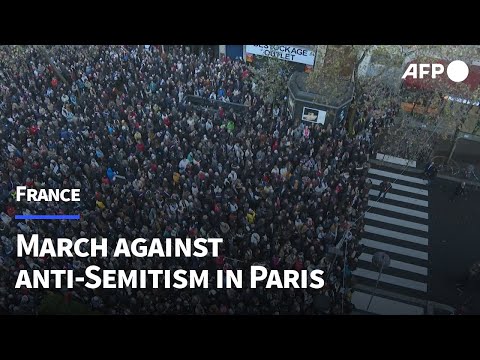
[
  {"x": 385, "y": 187},
  {"x": 459, "y": 191},
  {"x": 430, "y": 171},
  {"x": 471, "y": 279}
]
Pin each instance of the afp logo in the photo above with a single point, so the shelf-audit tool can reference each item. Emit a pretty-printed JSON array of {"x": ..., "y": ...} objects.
[{"x": 457, "y": 71}]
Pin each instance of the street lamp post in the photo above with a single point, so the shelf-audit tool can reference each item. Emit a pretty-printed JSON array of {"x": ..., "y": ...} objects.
[
  {"x": 454, "y": 145},
  {"x": 380, "y": 260}
]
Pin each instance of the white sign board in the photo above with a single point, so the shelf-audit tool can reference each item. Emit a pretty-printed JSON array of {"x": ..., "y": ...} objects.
[
  {"x": 285, "y": 52},
  {"x": 462, "y": 101},
  {"x": 314, "y": 115}
]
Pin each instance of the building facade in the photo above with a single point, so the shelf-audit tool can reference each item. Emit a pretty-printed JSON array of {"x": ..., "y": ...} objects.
[{"x": 301, "y": 57}]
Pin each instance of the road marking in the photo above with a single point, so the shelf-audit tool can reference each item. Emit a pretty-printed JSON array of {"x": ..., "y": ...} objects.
[
  {"x": 393, "y": 295},
  {"x": 396, "y": 235},
  {"x": 399, "y": 265},
  {"x": 401, "y": 198},
  {"x": 397, "y": 176},
  {"x": 394, "y": 249},
  {"x": 390, "y": 279},
  {"x": 396, "y": 160},
  {"x": 405, "y": 188},
  {"x": 384, "y": 306},
  {"x": 398, "y": 209},
  {"x": 395, "y": 221}
]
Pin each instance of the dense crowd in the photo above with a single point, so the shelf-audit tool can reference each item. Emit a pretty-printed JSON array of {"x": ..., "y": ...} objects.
[{"x": 280, "y": 192}]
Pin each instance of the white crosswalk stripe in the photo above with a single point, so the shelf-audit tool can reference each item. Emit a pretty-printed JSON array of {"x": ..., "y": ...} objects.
[
  {"x": 396, "y": 160},
  {"x": 405, "y": 188},
  {"x": 396, "y": 235},
  {"x": 398, "y": 176},
  {"x": 398, "y": 209},
  {"x": 395, "y": 221},
  {"x": 397, "y": 224},
  {"x": 406, "y": 199},
  {"x": 422, "y": 270},
  {"x": 390, "y": 279},
  {"x": 394, "y": 249}
]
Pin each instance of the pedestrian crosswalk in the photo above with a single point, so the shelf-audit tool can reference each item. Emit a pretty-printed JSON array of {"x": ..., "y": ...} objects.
[
  {"x": 398, "y": 209},
  {"x": 396, "y": 224},
  {"x": 400, "y": 198}
]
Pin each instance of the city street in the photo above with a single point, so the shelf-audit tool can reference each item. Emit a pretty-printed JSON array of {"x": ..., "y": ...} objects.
[
  {"x": 397, "y": 225},
  {"x": 431, "y": 241},
  {"x": 454, "y": 242}
]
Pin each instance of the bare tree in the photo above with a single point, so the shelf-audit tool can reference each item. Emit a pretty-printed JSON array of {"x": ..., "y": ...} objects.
[
  {"x": 434, "y": 114},
  {"x": 437, "y": 112},
  {"x": 271, "y": 79}
]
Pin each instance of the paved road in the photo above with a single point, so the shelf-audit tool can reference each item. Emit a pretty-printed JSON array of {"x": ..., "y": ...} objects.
[
  {"x": 399, "y": 226},
  {"x": 431, "y": 241},
  {"x": 454, "y": 242}
]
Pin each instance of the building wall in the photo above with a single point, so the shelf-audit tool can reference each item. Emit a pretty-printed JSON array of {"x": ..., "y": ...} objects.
[{"x": 234, "y": 51}]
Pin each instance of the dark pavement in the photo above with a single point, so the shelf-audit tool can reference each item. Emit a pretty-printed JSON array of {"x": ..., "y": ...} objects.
[{"x": 454, "y": 240}]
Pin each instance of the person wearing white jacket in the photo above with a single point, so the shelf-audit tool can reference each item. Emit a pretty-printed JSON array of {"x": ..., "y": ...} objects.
[{"x": 209, "y": 125}]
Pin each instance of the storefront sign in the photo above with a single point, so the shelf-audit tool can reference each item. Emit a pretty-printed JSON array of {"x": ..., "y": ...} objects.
[{"x": 285, "y": 52}]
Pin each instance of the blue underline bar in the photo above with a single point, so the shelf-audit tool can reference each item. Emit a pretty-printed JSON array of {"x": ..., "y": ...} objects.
[{"x": 47, "y": 217}]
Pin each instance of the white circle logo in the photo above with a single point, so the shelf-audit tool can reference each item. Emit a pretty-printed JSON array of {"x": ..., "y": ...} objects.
[{"x": 457, "y": 71}]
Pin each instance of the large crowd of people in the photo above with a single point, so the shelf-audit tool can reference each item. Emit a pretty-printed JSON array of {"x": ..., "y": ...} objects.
[{"x": 115, "y": 122}]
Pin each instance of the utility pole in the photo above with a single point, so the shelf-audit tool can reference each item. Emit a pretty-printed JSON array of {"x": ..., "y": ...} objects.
[{"x": 454, "y": 145}]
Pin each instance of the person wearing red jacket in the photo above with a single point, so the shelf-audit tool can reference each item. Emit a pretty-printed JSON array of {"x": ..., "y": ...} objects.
[
  {"x": 275, "y": 145},
  {"x": 298, "y": 265},
  {"x": 33, "y": 130},
  {"x": 10, "y": 210},
  {"x": 166, "y": 121},
  {"x": 140, "y": 147},
  {"x": 19, "y": 162}
]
